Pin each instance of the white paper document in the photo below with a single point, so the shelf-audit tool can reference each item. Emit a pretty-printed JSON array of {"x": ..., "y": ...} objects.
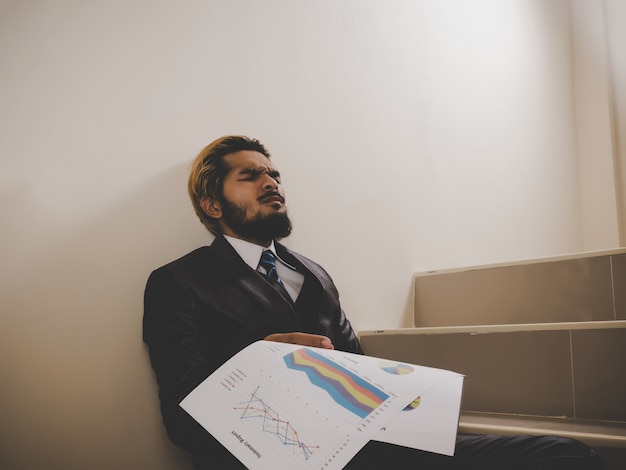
[{"x": 278, "y": 405}]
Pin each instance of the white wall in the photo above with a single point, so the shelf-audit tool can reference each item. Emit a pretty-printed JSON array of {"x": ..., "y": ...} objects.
[{"x": 438, "y": 133}]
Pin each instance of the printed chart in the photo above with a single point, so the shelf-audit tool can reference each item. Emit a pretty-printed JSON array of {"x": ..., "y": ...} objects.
[
  {"x": 346, "y": 388},
  {"x": 277, "y": 405},
  {"x": 270, "y": 421}
]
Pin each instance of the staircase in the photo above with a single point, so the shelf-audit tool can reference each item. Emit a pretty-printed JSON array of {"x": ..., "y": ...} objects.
[{"x": 542, "y": 344}]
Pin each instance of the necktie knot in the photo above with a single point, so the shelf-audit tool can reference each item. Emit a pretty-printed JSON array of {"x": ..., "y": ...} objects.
[{"x": 268, "y": 262}]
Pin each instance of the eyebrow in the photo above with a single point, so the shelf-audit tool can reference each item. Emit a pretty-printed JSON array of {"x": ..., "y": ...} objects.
[{"x": 257, "y": 171}]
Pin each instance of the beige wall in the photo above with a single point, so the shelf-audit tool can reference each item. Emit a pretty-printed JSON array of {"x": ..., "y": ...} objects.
[{"x": 441, "y": 133}]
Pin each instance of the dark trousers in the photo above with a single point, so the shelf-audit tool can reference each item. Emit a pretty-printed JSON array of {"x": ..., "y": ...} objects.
[{"x": 484, "y": 453}]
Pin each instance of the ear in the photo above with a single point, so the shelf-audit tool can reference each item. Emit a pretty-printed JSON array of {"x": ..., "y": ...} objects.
[{"x": 211, "y": 208}]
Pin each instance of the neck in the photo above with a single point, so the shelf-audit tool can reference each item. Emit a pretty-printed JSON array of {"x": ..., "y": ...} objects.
[{"x": 263, "y": 243}]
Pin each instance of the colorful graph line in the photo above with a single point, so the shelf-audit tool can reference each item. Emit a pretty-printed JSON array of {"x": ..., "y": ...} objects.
[
  {"x": 256, "y": 408},
  {"x": 346, "y": 389}
]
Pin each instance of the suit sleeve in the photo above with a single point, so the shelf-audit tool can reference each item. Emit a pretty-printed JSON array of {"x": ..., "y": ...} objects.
[
  {"x": 181, "y": 357},
  {"x": 333, "y": 322},
  {"x": 339, "y": 328}
]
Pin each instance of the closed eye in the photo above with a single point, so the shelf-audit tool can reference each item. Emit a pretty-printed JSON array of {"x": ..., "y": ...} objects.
[
  {"x": 275, "y": 175},
  {"x": 252, "y": 174}
]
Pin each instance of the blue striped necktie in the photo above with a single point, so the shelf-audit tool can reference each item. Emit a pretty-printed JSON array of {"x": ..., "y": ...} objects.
[{"x": 269, "y": 264}]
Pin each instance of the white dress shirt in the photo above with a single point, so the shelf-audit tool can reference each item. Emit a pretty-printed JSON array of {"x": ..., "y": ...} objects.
[{"x": 251, "y": 253}]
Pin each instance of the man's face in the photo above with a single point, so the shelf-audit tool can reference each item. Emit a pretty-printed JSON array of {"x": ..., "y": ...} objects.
[{"x": 252, "y": 204}]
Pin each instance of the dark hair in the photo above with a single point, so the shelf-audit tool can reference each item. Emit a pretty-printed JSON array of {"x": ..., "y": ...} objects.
[{"x": 208, "y": 170}]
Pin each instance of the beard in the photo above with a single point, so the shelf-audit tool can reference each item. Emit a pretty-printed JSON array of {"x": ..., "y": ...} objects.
[{"x": 261, "y": 227}]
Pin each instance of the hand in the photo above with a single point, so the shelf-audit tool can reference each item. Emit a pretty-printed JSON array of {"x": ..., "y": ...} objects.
[{"x": 304, "y": 339}]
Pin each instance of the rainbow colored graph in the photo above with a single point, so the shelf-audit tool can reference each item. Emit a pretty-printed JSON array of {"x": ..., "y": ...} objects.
[
  {"x": 256, "y": 408},
  {"x": 346, "y": 389}
]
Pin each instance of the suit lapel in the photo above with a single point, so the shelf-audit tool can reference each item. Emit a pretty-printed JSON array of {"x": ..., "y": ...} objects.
[
  {"x": 250, "y": 282},
  {"x": 310, "y": 270}
]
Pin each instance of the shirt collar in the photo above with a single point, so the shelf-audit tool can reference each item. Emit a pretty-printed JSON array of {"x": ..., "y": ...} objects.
[{"x": 251, "y": 253}]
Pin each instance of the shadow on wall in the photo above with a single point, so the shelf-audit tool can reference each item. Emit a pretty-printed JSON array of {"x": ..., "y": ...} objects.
[{"x": 77, "y": 390}]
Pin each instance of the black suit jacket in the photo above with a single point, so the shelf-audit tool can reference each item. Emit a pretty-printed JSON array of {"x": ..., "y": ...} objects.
[{"x": 204, "y": 307}]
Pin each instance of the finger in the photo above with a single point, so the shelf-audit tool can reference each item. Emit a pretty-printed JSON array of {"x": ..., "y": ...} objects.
[
  {"x": 307, "y": 339},
  {"x": 303, "y": 339}
]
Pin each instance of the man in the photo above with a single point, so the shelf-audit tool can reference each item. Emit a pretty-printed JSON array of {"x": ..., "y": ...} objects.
[{"x": 204, "y": 307}]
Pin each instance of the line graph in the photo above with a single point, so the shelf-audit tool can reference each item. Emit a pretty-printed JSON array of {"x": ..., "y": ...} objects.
[{"x": 271, "y": 422}]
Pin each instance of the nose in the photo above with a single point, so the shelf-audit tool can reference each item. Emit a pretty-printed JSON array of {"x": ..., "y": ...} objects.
[{"x": 269, "y": 182}]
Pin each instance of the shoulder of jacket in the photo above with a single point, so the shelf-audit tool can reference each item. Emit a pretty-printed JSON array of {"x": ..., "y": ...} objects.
[{"x": 198, "y": 255}]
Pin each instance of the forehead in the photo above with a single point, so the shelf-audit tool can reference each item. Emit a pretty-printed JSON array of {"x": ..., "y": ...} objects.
[{"x": 247, "y": 159}]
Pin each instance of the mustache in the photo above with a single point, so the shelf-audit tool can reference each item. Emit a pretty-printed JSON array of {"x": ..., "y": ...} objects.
[{"x": 271, "y": 194}]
